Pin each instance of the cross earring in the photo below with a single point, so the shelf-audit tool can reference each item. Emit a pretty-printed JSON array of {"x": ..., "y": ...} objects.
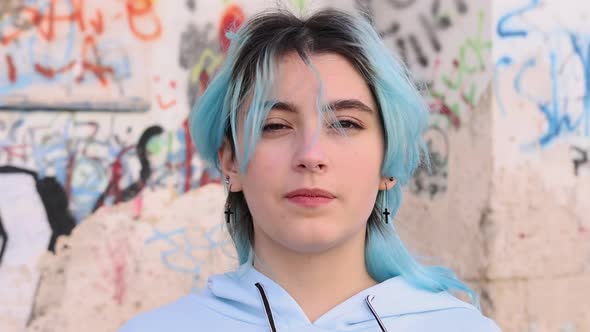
[
  {"x": 228, "y": 212},
  {"x": 386, "y": 212}
]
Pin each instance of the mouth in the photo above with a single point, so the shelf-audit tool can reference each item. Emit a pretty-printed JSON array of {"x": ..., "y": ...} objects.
[{"x": 310, "y": 197}]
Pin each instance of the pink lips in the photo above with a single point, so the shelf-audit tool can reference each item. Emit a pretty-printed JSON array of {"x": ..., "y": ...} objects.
[{"x": 310, "y": 197}]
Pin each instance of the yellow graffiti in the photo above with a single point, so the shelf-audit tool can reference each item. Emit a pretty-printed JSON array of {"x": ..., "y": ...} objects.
[{"x": 215, "y": 61}]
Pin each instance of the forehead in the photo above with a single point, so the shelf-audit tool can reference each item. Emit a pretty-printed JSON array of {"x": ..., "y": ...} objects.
[{"x": 298, "y": 81}]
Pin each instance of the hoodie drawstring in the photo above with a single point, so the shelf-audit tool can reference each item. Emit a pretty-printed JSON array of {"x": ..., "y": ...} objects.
[
  {"x": 271, "y": 321},
  {"x": 381, "y": 325}
]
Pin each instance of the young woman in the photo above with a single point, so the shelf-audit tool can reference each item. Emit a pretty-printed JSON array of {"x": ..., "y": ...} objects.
[{"x": 315, "y": 126}]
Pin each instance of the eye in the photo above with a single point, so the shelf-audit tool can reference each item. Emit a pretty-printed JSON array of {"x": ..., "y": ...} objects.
[
  {"x": 347, "y": 124},
  {"x": 273, "y": 127}
]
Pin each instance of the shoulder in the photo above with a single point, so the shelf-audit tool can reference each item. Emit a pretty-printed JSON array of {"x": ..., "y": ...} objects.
[
  {"x": 179, "y": 316},
  {"x": 466, "y": 319},
  {"x": 444, "y": 312},
  {"x": 460, "y": 316},
  {"x": 452, "y": 319}
]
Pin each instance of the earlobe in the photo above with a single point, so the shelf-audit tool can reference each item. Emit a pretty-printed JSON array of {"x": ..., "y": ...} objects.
[
  {"x": 228, "y": 166},
  {"x": 387, "y": 182}
]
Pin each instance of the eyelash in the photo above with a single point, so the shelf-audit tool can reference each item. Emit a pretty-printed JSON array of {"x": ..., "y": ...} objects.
[{"x": 343, "y": 124}]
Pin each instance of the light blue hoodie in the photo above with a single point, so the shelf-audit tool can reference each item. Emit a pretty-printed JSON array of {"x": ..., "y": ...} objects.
[{"x": 247, "y": 301}]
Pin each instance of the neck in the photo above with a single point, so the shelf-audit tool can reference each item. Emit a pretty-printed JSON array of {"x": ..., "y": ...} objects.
[{"x": 317, "y": 281}]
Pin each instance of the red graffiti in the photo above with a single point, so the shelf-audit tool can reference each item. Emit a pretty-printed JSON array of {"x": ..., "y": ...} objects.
[
  {"x": 164, "y": 105},
  {"x": 50, "y": 72},
  {"x": 204, "y": 80},
  {"x": 443, "y": 109},
  {"x": 98, "y": 70},
  {"x": 9, "y": 150},
  {"x": 118, "y": 254},
  {"x": 98, "y": 23},
  {"x": 113, "y": 188},
  {"x": 188, "y": 157},
  {"x": 45, "y": 22},
  {"x": 51, "y": 19},
  {"x": 88, "y": 47},
  {"x": 139, "y": 13},
  {"x": 11, "y": 69},
  {"x": 232, "y": 18},
  {"x": 143, "y": 10}
]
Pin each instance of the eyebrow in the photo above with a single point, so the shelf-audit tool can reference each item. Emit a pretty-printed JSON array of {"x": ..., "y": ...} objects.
[{"x": 336, "y": 105}]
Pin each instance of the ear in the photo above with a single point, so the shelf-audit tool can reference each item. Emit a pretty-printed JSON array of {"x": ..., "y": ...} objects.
[
  {"x": 229, "y": 166},
  {"x": 387, "y": 182}
]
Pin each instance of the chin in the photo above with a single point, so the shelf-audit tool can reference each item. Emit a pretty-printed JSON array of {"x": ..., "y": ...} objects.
[{"x": 313, "y": 240}]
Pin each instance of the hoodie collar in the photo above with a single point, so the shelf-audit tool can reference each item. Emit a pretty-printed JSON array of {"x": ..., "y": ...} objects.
[{"x": 391, "y": 297}]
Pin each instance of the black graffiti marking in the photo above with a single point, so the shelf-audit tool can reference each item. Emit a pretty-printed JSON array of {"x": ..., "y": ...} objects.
[
  {"x": 193, "y": 41},
  {"x": 393, "y": 29},
  {"x": 431, "y": 23},
  {"x": 403, "y": 51},
  {"x": 4, "y": 238},
  {"x": 191, "y": 5},
  {"x": 145, "y": 171},
  {"x": 421, "y": 57},
  {"x": 582, "y": 160},
  {"x": 430, "y": 32},
  {"x": 55, "y": 201},
  {"x": 461, "y": 6},
  {"x": 401, "y": 4},
  {"x": 433, "y": 180}
]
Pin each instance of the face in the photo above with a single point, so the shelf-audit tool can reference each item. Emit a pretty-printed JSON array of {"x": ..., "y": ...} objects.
[{"x": 292, "y": 154}]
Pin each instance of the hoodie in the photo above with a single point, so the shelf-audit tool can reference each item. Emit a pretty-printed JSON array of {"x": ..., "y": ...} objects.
[{"x": 245, "y": 300}]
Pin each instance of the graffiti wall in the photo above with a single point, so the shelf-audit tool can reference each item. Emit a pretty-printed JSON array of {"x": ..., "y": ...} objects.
[
  {"x": 451, "y": 64},
  {"x": 106, "y": 209},
  {"x": 76, "y": 54},
  {"x": 94, "y": 97},
  {"x": 541, "y": 108}
]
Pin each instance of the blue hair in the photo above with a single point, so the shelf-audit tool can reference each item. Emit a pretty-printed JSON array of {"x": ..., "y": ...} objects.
[{"x": 247, "y": 75}]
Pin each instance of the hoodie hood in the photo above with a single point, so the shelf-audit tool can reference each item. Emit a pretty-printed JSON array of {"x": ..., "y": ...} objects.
[{"x": 250, "y": 296}]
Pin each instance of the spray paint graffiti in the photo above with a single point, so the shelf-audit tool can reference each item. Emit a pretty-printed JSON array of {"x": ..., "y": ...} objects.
[
  {"x": 458, "y": 88},
  {"x": 102, "y": 165},
  {"x": 3, "y": 238},
  {"x": 450, "y": 79},
  {"x": 233, "y": 16},
  {"x": 56, "y": 47},
  {"x": 186, "y": 248},
  {"x": 200, "y": 54},
  {"x": 165, "y": 97},
  {"x": 26, "y": 232},
  {"x": 433, "y": 182},
  {"x": 581, "y": 158},
  {"x": 562, "y": 58},
  {"x": 432, "y": 23}
]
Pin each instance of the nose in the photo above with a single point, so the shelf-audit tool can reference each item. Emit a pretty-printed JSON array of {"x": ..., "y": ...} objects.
[{"x": 310, "y": 155}]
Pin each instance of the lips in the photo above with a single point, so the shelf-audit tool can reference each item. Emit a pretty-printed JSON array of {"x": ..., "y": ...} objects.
[{"x": 310, "y": 192}]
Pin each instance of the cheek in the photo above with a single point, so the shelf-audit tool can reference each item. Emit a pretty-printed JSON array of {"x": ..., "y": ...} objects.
[
  {"x": 362, "y": 162},
  {"x": 266, "y": 167}
]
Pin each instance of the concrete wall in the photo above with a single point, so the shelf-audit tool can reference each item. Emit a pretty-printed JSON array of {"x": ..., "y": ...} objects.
[
  {"x": 94, "y": 97},
  {"x": 539, "y": 250}
]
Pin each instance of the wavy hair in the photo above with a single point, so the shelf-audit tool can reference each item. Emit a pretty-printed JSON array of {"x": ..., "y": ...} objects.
[{"x": 248, "y": 73}]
